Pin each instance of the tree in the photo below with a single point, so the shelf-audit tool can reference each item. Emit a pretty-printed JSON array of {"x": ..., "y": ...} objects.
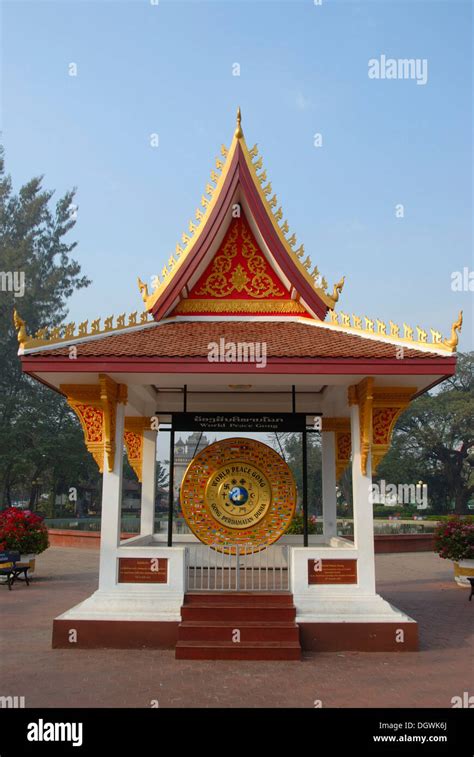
[
  {"x": 35, "y": 424},
  {"x": 161, "y": 485},
  {"x": 434, "y": 442},
  {"x": 289, "y": 445}
]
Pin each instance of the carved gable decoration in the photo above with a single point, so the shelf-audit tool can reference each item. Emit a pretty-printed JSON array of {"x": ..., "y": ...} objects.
[{"x": 239, "y": 279}]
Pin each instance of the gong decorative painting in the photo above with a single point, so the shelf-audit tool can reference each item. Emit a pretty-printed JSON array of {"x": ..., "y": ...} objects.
[{"x": 238, "y": 491}]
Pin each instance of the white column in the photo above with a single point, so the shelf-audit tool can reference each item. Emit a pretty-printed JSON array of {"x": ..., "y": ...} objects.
[
  {"x": 328, "y": 444},
  {"x": 111, "y": 508},
  {"x": 363, "y": 510},
  {"x": 147, "y": 515}
]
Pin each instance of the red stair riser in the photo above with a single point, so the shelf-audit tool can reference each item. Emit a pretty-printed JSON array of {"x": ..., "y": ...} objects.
[
  {"x": 234, "y": 614},
  {"x": 247, "y": 633},
  {"x": 239, "y": 598},
  {"x": 266, "y": 623}
]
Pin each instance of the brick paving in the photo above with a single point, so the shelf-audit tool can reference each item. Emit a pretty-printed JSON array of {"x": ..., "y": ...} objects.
[{"x": 420, "y": 584}]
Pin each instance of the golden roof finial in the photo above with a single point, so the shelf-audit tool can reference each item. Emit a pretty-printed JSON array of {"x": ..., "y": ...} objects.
[
  {"x": 20, "y": 326},
  {"x": 238, "y": 129},
  {"x": 143, "y": 290},
  {"x": 337, "y": 289},
  {"x": 452, "y": 342}
]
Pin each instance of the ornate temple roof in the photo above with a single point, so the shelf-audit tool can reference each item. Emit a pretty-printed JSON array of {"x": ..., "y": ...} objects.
[
  {"x": 239, "y": 186},
  {"x": 189, "y": 342},
  {"x": 238, "y": 263}
]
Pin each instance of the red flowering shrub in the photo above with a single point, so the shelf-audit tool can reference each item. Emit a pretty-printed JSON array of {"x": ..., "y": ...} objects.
[
  {"x": 296, "y": 525},
  {"x": 454, "y": 539},
  {"x": 22, "y": 531}
]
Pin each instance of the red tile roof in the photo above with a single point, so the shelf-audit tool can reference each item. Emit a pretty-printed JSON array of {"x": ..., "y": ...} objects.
[{"x": 191, "y": 339}]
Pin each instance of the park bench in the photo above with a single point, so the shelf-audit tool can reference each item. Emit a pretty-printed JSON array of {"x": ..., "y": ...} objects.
[
  {"x": 471, "y": 581},
  {"x": 10, "y": 569}
]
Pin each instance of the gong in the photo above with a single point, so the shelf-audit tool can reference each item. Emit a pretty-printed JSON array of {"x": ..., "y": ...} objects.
[{"x": 238, "y": 491}]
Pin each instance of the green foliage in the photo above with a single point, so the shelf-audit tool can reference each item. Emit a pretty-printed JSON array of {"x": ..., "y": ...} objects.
[
  {"x": 41, "y": 443},
  {"x": 291, "y": 444},
  {"x": 404, "y": 511},
  {"x": 161, "y": 474},
  {"x": 296, "y": 525},
  {"x": 433, "y": 442},
  {"x": 454, "y": 539}
]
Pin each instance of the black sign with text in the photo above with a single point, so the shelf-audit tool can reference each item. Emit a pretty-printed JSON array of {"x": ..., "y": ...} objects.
[{"x": 241, "y": 421}]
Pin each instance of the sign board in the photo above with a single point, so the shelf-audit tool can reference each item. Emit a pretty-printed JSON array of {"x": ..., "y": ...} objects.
[
  {"x": 143, "y": 570},
  {"x": 239, "y": 422},
  {"x": 332, "y": 571}
]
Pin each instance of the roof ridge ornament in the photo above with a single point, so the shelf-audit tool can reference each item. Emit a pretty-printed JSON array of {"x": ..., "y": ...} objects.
[
  {"x": 452, "y": 342},
  {"x": 318, "y": 282},
  {"x": 238, "y": 134},
  {"x": 20, "y": 327},
  {"x": 275, "y": 213},
  {"x": 67, "y": 332},
  {"x": 338, "y": 289},
  {"x": 143, "y": 289},
  {"x": 338, "y": 321},
  {"x": 376, "y": 328}
]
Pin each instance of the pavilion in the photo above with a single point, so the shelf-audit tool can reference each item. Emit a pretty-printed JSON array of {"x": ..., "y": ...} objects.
[{"x": 238, "y": 279}]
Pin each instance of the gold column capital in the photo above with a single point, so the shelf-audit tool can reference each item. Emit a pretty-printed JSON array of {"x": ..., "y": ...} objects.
[
  {"x": 379, "y": 409},
  {"x": 335, "y": 424},
  {"x": 95, "y": 405},
  {"x": 135, "y": 427}
]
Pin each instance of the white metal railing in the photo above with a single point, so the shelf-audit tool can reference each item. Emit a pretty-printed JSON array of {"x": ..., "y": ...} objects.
[{"x": 237, "y": 567}]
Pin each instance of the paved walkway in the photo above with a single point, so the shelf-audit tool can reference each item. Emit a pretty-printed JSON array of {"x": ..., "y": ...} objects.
[{"x": 420, "y": 584}]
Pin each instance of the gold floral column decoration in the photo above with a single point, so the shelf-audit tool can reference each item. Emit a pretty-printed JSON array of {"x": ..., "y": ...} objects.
[
  {"x": 379, "y": 409},
  {"x": 111, "y": 394},
  {"x": 388, "y": 404},
  {"x": 342, "y": 435},
  {"x": 361, "y": 394},
  {"x": 133, "y": 438},
  {"x": 95, "y": 406},
  {"x": 85, "y": 400}
]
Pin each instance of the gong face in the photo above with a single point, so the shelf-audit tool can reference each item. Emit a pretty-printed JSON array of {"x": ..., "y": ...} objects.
[
  {"x": 238, "y": 491},
  {"x": 238, "y": 495}
]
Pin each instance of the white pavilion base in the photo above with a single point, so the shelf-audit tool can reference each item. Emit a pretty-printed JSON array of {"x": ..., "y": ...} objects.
[
  {"x": 120, "y": 619},
  {"x": 125, "y": 618},
  {"x": 331, "y": 616},
  {"x": 350, "y": 623}
]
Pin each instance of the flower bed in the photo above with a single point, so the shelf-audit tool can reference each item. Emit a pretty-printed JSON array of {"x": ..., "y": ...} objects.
[
  {"x": 22, "y": 531},
  {"x": 454, "y": 539}
]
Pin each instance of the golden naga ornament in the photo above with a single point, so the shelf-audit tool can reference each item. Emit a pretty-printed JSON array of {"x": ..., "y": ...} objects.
[{"x": 238, "y": 491}]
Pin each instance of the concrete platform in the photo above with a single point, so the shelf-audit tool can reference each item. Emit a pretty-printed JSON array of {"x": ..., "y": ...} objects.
[{"x": 420, "y": 584}]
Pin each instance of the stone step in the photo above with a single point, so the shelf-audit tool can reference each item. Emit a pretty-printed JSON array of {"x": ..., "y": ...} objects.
[
  {"x": 239, "y": 598},
  {"x": 237, "y": 613},
  {"x": 202, "y": 630},
  {"x": 225, "y": 650}
]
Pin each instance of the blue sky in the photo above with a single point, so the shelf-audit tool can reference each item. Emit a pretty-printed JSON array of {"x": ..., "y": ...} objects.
[{"x": 167, "y": 69}]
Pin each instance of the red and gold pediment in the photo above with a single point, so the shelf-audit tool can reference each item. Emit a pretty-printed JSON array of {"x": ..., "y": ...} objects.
[
  {"x": 238, "y": 178},
  {"x": 239, "y": 280}
]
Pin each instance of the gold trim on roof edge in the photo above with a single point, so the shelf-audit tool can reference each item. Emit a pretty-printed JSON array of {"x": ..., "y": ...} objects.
[
  {"x": 379, "y": 330},
  {"x": 168, "y": 272},
  {"x": 374, "y": 328},
  {"x": 67, "y": 332}
]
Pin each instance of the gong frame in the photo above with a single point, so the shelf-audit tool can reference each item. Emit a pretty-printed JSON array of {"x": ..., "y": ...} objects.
[{"x": 287, "y": 422}]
